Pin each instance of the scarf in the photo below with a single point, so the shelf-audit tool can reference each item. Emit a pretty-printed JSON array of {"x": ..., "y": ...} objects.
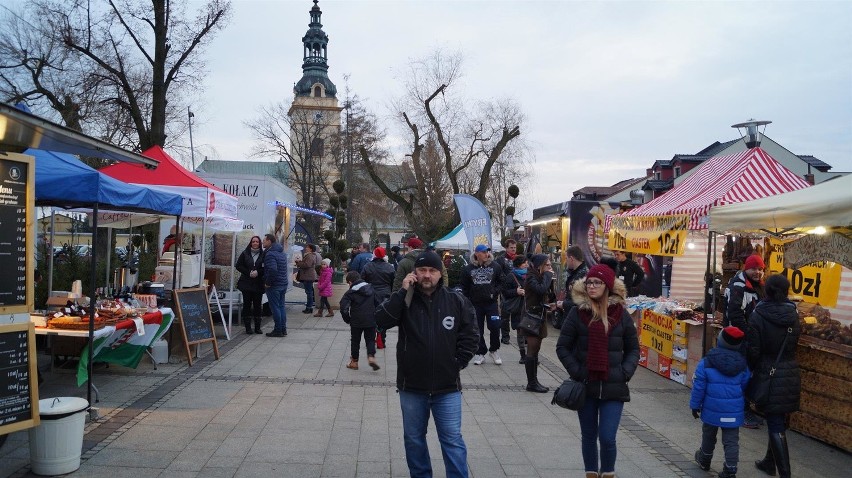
[
  {"x": 521, "y": 274},
  {"x": 597, "y": 356},
  {"x": 255, "y": 253}
]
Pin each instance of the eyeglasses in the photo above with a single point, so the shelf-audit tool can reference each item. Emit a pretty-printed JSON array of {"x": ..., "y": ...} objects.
[{"x": 594, "y": 283}]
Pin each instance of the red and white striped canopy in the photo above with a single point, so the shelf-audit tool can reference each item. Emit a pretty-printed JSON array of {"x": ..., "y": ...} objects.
[{"x": 740, "y": 177}]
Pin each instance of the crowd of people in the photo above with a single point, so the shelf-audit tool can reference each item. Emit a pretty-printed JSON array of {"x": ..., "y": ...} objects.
[{"x": 442, "y": 330}]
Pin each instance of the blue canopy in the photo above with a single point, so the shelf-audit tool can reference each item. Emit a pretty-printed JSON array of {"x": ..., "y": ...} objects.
[{"x": 64, "y": 181}]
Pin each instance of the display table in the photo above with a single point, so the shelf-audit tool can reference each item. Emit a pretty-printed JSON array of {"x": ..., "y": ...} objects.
[
  {"x": 669, "y": 346},
  {"x": 124, "y": 343},
  {"x": 825, "y": 410}
]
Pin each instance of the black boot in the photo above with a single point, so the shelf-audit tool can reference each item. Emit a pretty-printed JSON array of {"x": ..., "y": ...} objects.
[
  {"x": 703, "y": 459},
  {"x": 537, "y": 363},
  {"x": 532, "y": 376},
  {"x": 767, "y": 464},
  {"x": 257, "y": 325},
  {"x": 778, "y": 443},
  {"x": 728, "y": 472},
  {"x": 247, "y": 323}
]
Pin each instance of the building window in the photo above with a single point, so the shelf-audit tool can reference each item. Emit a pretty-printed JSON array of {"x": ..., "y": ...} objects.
[
  {"x": 677, "y": 171},
  {"x": 317, "y": 91},
  {"x": 657, "y": 175},
  {"x": 317, "y": 148}
]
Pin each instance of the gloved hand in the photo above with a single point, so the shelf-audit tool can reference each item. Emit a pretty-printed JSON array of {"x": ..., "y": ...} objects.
[{"x": 696, "y": 413}]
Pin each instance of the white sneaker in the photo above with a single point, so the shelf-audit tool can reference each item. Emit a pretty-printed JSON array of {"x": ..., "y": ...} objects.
[
  {"x": 478, "y": 359},
  {"x": 496, "y": 357}
]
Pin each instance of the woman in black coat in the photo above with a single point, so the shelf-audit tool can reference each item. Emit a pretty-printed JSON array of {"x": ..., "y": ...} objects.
[
  {"x": 774, "y": 319},
  {"x": 598, "y": 346},
  {"x": 250, "y": 266},
  {"x": 538, "y": 291}
]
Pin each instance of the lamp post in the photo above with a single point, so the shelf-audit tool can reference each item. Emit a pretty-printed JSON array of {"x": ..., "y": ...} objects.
[{"x": 191, "y": 115}]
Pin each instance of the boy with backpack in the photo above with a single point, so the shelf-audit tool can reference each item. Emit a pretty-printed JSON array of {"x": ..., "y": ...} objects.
[
  {"x": 358, "y": 308},
  {"x": 718, "y": 396}
]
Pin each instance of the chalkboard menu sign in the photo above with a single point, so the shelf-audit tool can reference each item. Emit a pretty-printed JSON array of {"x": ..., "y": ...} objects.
[
  {"x": 193, "y": 312},
  {"x": 15, "y": 205},
  {"x": 18, "y": 378}
]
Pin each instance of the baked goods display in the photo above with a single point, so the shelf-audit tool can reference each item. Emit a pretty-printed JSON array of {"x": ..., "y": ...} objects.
[{"x": 817, "y": 322}]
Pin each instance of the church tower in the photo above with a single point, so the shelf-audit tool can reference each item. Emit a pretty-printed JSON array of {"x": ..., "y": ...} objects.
[{"x": 315, "y": 115}]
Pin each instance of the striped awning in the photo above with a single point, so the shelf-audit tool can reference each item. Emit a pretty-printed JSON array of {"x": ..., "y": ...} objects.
[{"x": 740, "y": 177}]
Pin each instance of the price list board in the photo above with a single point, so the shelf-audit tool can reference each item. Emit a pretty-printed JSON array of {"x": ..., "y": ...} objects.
[
  {"x": 18, "y": 378},
  {"x": 16, "y": 232}
]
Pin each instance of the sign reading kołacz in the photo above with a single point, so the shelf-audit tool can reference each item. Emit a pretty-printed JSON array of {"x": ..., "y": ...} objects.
[
  {"x": 656, "y": 235},
  {"x": 657, "y": 332}
]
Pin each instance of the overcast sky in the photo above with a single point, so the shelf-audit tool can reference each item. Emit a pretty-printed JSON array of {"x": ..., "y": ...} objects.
[{"x": 607, "y": 87}]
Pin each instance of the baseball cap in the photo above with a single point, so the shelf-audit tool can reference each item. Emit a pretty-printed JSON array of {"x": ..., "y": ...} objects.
[{"x": 481, "y": 248}]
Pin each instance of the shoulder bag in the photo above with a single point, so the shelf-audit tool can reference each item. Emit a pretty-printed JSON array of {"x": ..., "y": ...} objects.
[
  {"x": 571, "y": 395},
  {"x": 760, "y": 388},
  {"x": 531, "y": 323}
]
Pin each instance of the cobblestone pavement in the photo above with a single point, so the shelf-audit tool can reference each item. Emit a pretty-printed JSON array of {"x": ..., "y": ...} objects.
[{"x": 288, "y": 407}]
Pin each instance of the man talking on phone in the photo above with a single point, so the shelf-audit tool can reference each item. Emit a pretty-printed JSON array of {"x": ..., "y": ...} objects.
[{"x": 437, "y": 338}]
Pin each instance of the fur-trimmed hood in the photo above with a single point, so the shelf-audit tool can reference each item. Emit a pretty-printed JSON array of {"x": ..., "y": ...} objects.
[{"x": 581, "y": 297}]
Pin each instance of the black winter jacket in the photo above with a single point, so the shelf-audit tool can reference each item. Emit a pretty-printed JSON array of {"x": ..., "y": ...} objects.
[
  {"x": 741, "y": 295},
  {"x": 437, "y": 337},
  {"x": 380, "y": 275},
  {"x": 245, "y": 265},
  {"x": 482, "y": 282},
  {"x": 358, "y": 306},
  {"x": 573, "y": 345},
  {"x": 768, "y": 324},
  {"x": 631, "y": 274}
]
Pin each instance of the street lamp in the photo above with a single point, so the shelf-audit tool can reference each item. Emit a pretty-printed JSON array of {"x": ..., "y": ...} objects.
[{"x": 191, "y": 115}]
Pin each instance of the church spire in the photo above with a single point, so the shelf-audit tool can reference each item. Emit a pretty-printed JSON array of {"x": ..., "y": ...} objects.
[{"x": 315, "y": 81}]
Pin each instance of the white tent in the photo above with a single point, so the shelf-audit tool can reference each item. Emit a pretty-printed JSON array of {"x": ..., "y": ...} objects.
[
  {"x": 826, "y": 204},
  {"x": 457, "y": 239}
]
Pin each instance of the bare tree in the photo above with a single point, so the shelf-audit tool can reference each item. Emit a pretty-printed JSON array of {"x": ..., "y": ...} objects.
[
  {"x": 305, "y": 140},
  {"x": 469, "y": 141},
  {"x": 138, "y": 60}
]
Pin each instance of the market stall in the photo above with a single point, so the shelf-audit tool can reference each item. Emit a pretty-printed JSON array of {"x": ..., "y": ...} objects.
[
  {"x": 203, "y": 204},
  {"x": 61, "y": 180},
  {"x": 815, "y": 226},
  {"x": 675, "y": 225}
]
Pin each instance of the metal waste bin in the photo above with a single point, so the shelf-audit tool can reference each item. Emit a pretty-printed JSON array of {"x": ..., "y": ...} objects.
[{"x": 56, "y": 444}]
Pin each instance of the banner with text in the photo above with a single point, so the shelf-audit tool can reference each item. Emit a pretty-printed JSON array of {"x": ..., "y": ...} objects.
[
  {"x": 816, "y": 283},
  {"x": 657, "y": 332},
  {"x": 657, "y": 235},
  {"x": 475, "y": 220}
]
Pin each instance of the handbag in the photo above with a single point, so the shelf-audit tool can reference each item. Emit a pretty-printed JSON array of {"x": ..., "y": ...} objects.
[
  {"x": 571, "y": 395},
  {"x": 760, "y": 388},
  {"x": 512, "y": 304},
  {"x": 531, "y": 324}
]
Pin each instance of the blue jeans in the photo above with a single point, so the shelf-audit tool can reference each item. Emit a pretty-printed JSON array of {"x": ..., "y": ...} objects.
[
  {"x": 446, "y": 408},
  {"x": 275, "y": 295},
  {"x": 309, "y": 293},
  {"x": 599, "y": 420}
]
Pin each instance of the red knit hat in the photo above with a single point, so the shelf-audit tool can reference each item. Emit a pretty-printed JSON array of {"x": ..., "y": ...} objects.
[
  {"x": 730, "y": 337},
  {"x": 415, "y": 243},
  {"x": 754, "y": 261},
  {"x": 604, "y": 273},
  {"x": 379, "y": 252}
]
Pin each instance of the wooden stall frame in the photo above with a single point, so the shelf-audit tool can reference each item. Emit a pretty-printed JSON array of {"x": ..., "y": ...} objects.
[
  {"x": 179, "y": 316},
  {"x": 32, "y": 360}
]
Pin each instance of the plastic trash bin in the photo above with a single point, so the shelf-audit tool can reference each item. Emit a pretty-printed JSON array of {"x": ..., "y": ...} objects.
[
  {"x": 56, "y": 444},
  {"x": 160, "y": 351}
]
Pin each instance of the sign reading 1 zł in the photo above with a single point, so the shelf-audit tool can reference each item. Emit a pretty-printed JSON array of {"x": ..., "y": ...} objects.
[
  {"x": 656, "y": 235},
  {"x": 816, "y": 283},
  {"x": 657, "y": 332}
]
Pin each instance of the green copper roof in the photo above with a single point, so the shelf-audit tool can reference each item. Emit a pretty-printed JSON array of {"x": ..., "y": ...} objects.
[{"x": 278, "y": 171}]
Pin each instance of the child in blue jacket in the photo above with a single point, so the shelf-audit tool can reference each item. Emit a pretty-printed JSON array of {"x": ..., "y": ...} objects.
[{"x": 718, "y": 397}]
